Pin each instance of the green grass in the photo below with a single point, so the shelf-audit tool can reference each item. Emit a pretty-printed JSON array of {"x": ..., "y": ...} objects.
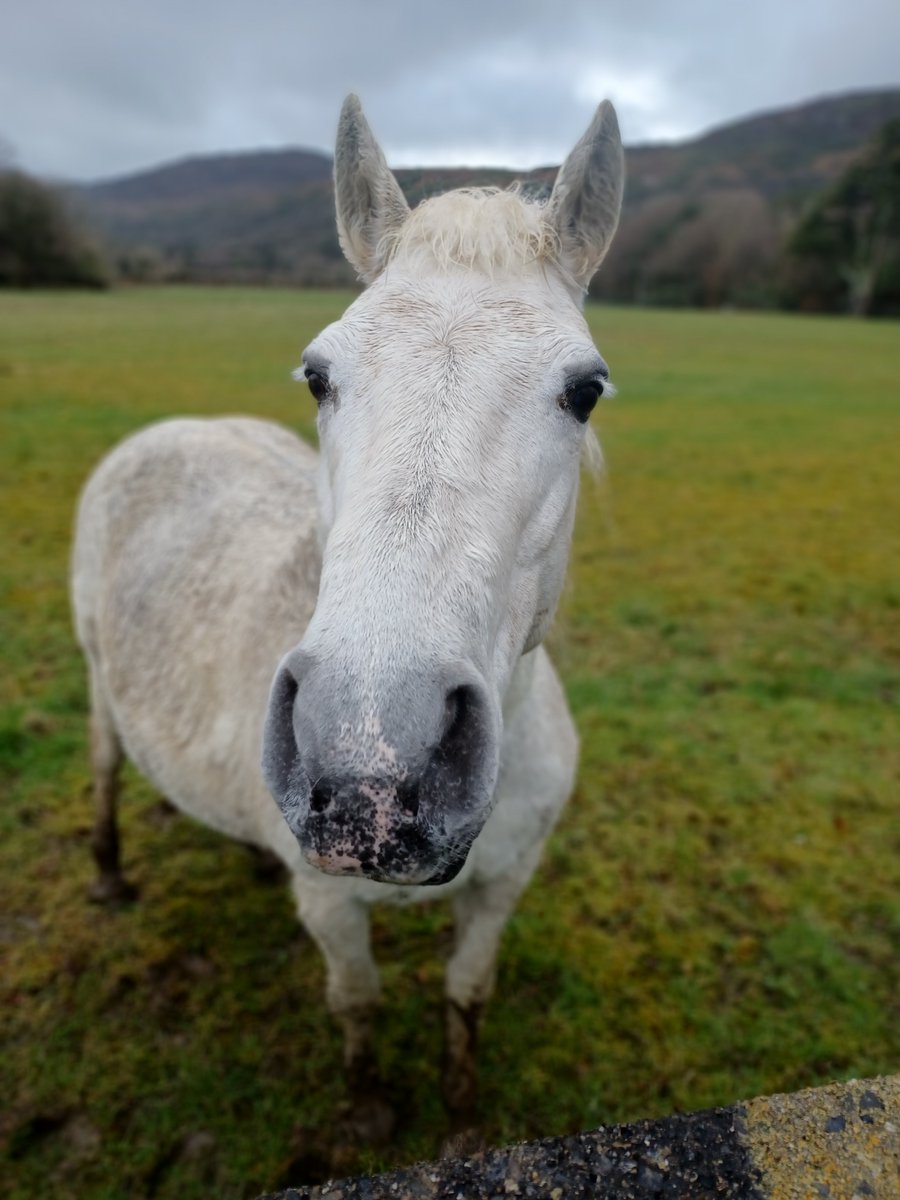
[{"x": 717, "y": 914}]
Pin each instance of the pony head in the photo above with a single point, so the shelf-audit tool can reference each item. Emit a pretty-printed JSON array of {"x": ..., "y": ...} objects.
[{"x": 454, "y": 397}]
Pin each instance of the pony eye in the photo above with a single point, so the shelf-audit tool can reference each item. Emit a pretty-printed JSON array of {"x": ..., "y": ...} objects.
[
  {"x": 318, "y": 385},
  {"x": 581, "y": 398}
]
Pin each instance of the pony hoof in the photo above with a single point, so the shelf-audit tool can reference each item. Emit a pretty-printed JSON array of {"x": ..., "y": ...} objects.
[
  {"x": 112, "y": 890},
  {"x": 463, "y": 1143},
  {"x": 310, "y": 1159},
  {"x": 369, "y": 1122}
]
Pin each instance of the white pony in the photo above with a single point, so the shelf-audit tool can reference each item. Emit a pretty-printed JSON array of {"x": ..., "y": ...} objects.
[{"x": 397, "y": 585}]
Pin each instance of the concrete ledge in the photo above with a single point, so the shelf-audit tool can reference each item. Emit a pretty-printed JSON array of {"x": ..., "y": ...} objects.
[{"x": 840, "y": 1142}]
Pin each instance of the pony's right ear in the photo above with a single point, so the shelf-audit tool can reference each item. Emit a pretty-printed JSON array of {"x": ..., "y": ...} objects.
[{"x": 370, "y": 205}]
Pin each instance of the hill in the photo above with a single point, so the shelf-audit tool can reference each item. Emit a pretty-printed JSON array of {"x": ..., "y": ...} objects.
[
  {"x": 705, "y": 221},
  {"x": 258, "y": 216}
]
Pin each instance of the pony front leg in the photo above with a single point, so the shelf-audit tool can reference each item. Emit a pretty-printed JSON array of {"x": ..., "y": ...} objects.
[
  {"x": 480, "y": 914},
  {"x": 538, "y": 765},
  {"x": 340, "y": 928}
]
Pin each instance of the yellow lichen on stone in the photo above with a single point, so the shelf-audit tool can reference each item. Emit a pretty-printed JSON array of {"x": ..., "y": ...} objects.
[{"x": 840, "y": 1142}]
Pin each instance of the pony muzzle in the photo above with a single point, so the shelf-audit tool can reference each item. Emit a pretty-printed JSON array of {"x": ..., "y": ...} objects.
[{"x": 398, "y": 793}]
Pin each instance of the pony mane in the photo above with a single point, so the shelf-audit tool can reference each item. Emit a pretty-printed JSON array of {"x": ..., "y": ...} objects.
[{"x": 489, "y": 229}]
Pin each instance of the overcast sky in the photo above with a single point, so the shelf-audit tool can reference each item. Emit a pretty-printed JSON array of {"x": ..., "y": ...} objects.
[{"x": 95, "y": 88}]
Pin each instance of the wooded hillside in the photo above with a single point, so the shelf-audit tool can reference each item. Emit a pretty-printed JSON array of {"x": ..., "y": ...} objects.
[{"x": 706, "y": 222}]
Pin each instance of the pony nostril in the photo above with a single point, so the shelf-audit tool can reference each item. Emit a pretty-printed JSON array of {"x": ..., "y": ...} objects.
[
  {"x": 279, "y": 750},
  {"x": 408, "y": 796},
  {"x": 455, "y": 707},
  {"x": 321, "y": 796}
]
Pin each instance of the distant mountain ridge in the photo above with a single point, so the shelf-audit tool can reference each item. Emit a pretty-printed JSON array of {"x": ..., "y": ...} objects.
[
  {"x": 704, "y": 220},
  {"x": 189, "y": 178}
]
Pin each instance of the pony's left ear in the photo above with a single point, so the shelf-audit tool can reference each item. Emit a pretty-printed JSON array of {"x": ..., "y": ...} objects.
[
  {"x": 587, "y": 196},
  {"x": 370, "y": 205}
]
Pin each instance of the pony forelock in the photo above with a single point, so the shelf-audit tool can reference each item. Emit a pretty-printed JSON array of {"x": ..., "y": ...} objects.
[{"x": 487, "y": 229}]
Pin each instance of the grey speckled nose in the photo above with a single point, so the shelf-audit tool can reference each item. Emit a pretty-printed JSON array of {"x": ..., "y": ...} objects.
[{"x": 393, "y": 782}]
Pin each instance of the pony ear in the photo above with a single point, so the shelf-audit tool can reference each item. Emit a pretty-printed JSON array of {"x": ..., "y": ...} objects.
[
  {"x": 370, "y": 205},
  {"x": 584, "y": 206}
]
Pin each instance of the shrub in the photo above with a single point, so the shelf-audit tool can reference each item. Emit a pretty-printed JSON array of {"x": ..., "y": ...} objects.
[{"x": 40, "y": 242}]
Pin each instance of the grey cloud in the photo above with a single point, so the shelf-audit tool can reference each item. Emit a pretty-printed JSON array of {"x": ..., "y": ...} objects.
[{"x": 99, "y": 88}]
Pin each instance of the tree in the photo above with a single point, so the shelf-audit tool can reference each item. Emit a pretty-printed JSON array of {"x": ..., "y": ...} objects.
[
  {"x": 40, "y": 243},
  {"x": 844, "y": 255}
]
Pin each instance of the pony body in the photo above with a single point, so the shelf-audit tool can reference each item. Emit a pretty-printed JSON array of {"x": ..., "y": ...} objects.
[{"x": 368, "y": 620}]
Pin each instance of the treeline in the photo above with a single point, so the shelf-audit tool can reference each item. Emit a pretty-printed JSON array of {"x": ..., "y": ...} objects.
[
  {"x": 41, "y": 243},
  {"x": 844, "y": 255},
  {"x": 735, "y": 234},
  {"x": 732, "y": 244}
]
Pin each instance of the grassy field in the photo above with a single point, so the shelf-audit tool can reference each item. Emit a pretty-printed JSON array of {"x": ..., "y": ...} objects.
[{"x": 717, "y": 914}]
